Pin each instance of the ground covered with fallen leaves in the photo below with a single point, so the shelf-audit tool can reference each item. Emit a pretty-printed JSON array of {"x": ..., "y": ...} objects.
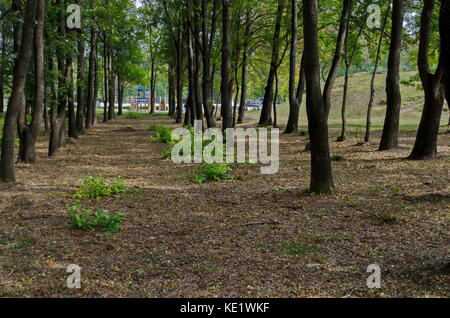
[{"x": 252, "y": 236}]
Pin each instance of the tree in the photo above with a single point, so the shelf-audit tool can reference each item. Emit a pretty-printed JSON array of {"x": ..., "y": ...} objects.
[
  {"x": 339, "y": 51},
  {"x": 374, "y": 74},
  {"x": 226, "y": 84},
  {"x": 27, "y": 151},
  {"x": 427, "y": 134},
  {"x": 389, "y": 138},
  {"x": 321, "y": 175},
  {"x": 266, "y": 112},
  {"x": 292, "y": 125},
  {"x": 7, "y": 171}
]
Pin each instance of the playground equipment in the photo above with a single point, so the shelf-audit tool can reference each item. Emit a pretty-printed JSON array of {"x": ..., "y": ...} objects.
[{"x": 141, "y": 102}]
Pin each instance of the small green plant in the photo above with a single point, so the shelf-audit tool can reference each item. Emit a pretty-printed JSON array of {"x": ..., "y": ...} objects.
[
  {"x": 298, "y": 248},
  {"x": 25, "y": 243},
  {"x": 163, "y": 135},
  {"x": 213, "y": 171},
  {"x": 155, "y": 127},
  {"x": 95, "y": 188},
  {"x": 132, "y": 115},
  {"x": 97, "y": 219}
]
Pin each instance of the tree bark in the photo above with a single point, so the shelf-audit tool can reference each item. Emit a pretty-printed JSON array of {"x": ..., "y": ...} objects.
[
  {"x": 225, "y": 87},
  {"x": 91, "y": 79},
  {"x": 294, "y": 106},
  {"x": 244, "y": 85},
  {"x": 208, "y": 42},
  {"x": 71, "y": 102},
  {"x": 27, "y": 151},
  {"x": 7, "y": 171},
  {"x": 321, "y": 175},
  {"x": 426, "y": 141},
  {"x": 80, "y": 87},
  {"x": 266, "y": 112},
  {"x": 389, "y": 138}
]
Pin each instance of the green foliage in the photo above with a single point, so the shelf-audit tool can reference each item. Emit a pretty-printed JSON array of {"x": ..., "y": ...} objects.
[
  {"x": 213, "y": 171},
  {"x": 163, "y": 135},
  {"x": 132, "y": 115},
  {"x": 16, "y": 140},
  {"x": 95, "y": 188},
  {"x": 97, "y": 219}
]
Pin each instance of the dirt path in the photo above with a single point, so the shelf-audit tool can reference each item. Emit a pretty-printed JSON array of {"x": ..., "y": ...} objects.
[{"x": 252, "y": 236}]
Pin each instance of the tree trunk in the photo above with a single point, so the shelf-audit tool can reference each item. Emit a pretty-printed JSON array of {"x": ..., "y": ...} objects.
[
  {"x": 120, "y": 92},
  {"x": 27, "y": 151},
  {"x": 7, "y": 172},
  {"x": 339, "y": 51},
  {"x": 90, "y": 109},
  {"x": 389, "y": 138},
  {"x": 179, "y": 76},
  {"x": 225, "y": 87},
  {"x": 71, "y": 102},
  {"x": 275, "y": 114},
  {"x": 105, "y": 79},
  {"x": 80, "y": 88},
  {"x": 321, "y": 175},
  {"x": 2, "y": 66},
  {"x": 348, "y": 63},
  {"x": 426, "y": 141},
  {"x": 374, "y": 74},
  {"x": 152, "y": 86},
  {"x": 444, "y": 28},
  {"x": 292, "y": 125},
  {"x": 266, "y": 112},
  {"x": 208, "y": 42}
]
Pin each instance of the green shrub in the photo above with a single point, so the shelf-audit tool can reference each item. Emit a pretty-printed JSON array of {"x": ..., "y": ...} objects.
[
  {"x": 132, "y": 115},
  {"x": 16, "y": 140},
  {"x": 97, "y": 219},
  {"x": 95, "y": 188},
  {"x": 213, "y": 171},
  {"x": 163, "y": 135},
  {"x": 155, "y": 127}
]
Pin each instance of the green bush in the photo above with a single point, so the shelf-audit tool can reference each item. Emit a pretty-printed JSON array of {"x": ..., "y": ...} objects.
[
  {"x": 163, "y": 135},
  {"x": 16, "y": 140},
  {"x": 132, "y": 115},
  {"x": 97, "y": 219},
  {"x": 95, "y": 188},
  {"x": 213, "y": 171}
]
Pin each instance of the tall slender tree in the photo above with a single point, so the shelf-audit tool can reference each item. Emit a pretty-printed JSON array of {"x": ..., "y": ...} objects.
[
  {"x": 321, "y": 175},
  {"x": 389, "y": 138}
]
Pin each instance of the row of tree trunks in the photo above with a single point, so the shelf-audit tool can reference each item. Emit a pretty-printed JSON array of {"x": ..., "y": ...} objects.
[
  {"x": 7, "y": 171},
  {"x": 29, "y": 134}
]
